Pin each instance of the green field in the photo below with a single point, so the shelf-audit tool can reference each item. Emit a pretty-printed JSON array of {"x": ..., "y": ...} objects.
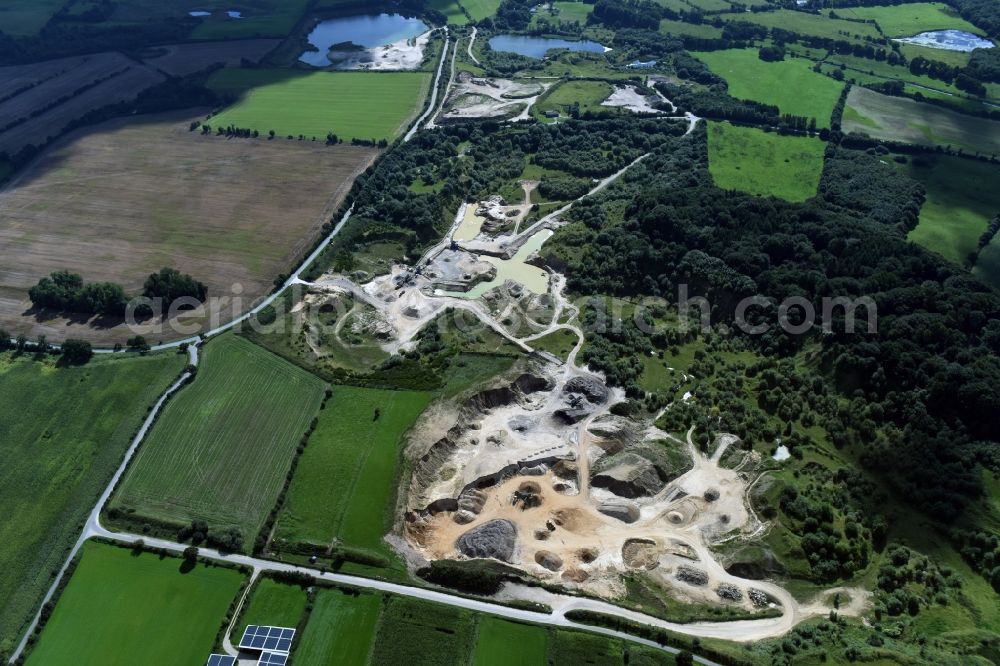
[
  {"x": 764, "y": 163},
  {"x": 451, "y": 9},
  {"x": 504, "y": 643},
  {"x": 565, "y": 12},
  {"x": 363, "y": 105},
  {"x": 808, "y": 24},
  {"x": 341, "y": 629},
  {"x": 480, "y": 9},
  {"x": 26, "y": 17},
  {"x": 962, "y": 197},
  {"x": 791, "y": 85},
  {"x": 908, "y": 121},
  {"x": 222, "y": 447},
  {"x": 680, "y": 28},
  {"x": 909, "y": 19},
  {"x": 346, "y": 479},
  {"x": 271, "y": 603},
  {"x": 417, "y": 633},
  {"x": 63, "y": 433},
  {"x": 120, "y": 609},
  {"x": 569, "y": 95},
  {"x": 577, "y": 647}
]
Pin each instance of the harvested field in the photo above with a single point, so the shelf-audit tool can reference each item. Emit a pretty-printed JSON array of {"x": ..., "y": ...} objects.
[
  {"x": 908, "y": 121},
  {"x": 128, "y": 197},
  {"x": 184, "y": 59},
  {"x": 65, "y": 90},
  {"x": 120, "y": 608},
  {"x": 221, "y": 448}
]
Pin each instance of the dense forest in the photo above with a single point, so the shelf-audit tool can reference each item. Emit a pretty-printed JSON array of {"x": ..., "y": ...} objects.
[{"x": 928, "y": 377}]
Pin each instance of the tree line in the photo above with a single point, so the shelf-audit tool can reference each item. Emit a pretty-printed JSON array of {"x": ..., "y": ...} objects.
[{"x": 67, "y": 292}]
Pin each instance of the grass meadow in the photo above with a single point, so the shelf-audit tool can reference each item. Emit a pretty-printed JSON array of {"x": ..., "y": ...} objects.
[
  {"x": 271, "y": 603},
  {"x": 681, "y": 28},
  {"x": 480, "y": 9},
  {"x": 910, "y": 19},
  {"x": 808, "y": 24},
  {"x": 583, "y": 95},
  {"x": 501, "y": 642},
  {"x": 451, "y": 9},
  {"x": 764, "y": 163},
  {"x": 565, "y": 12},
  {"x": 222, "y": 447},
  {"x": 341, "y": 629},
  {"x": 791, "y": 85},
  {"x": 62, "y": 434},
  {"x": 125, "y": 608},
  {"x": 346, "y": 479},
  {"x": 362, "y": 105},
  {"x": 962, "y": 198}
]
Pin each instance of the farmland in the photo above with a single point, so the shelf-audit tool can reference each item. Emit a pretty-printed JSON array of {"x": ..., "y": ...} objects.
[
  {"x": 119, "y": 608},
  {"x": 791, "y": 85},
  {"x": 340, "y": 630},
  {"x": 128, "y": 197},
  {"x": 961, "y": 198},
  {"x": 417, "y": 633},
  {"x": 222, "y": 447},
  {"x": 259, "y": 18},
  {"x": 363, "y": 105},
  {"x": 910, "y": 19},
  {"x": 451, "y": 9},
  {"x": 565, "y": 12},
  {"x": 271, "y": 603},
  {"x": 764, "y": 163},
  {"x": 184, "y": 59},
  {"x": 480, "y": 9},
  {"x": 809, "y": 24},
  {"x": 346, "y": 478},
  {"x": 26, "y": 17},
  {"x": 908, "y": 121},
  {"x": 703, "y": 30},
  {"x": 504, "y": 643},
  {"x": 63, "y": 91},
  {"x": 58, "y": 454}
]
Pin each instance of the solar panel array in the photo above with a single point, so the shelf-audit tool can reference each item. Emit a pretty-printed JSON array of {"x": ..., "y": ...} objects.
[
  {"x": 269, "y": 639},
  {"x": 272, "y": 659},
  {"x": 221, "y": 660}
]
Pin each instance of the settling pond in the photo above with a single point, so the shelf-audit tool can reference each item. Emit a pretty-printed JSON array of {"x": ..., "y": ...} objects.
[
  {"x": 537, "y": 47},
  {"x": 949, "y": 40},
  {"x": 534, "y": 279},
  {"x": 368, "y": 31}
]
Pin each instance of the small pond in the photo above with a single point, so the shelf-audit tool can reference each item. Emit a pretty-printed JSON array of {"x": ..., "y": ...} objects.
[
  {"x": 232, "y": 13},
  {"x": 368, "y": 31},
  {"x": 949, "y": 40},
  {"x": 537, "y": 47}
]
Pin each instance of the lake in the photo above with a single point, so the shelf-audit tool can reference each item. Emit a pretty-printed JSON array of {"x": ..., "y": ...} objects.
[
  {"x": 949, "y": 40},
  {"x": 537, "y": 47},
  {"x": 367, "y": 31}
]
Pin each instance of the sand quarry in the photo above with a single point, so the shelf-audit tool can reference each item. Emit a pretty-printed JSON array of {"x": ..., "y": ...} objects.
[{"x": 537, "y": 473}]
